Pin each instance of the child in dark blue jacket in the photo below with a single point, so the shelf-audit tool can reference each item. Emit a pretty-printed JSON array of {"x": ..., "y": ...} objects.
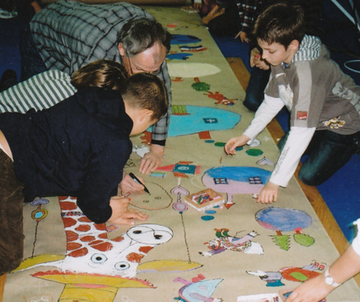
[{"x": 78, "y": 147}]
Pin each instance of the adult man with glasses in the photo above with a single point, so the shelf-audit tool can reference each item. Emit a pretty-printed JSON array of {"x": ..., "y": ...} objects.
[{"x": 69, "y": 34}]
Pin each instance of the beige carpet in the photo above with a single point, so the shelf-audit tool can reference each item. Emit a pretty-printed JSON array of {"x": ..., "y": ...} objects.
[{"x": 180, "y": 257}]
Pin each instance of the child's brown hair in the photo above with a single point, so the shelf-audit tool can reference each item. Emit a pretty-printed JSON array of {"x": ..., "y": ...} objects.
[
  {"x": 281, "y": 23},
  {"x": 102, "y": 73},
  {"x": 146, "y": 91}
]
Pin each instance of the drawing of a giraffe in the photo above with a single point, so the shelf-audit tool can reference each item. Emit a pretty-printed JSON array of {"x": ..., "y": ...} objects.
[{"x": 90, "y": 251}]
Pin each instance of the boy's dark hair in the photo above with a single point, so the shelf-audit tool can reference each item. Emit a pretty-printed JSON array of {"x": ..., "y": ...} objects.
[
  {"x": 102, "y": 73},
  {"x": 146, "y": 91},
  {"x": 281, "y": 23},
  {"x": 137, "y": 35}
]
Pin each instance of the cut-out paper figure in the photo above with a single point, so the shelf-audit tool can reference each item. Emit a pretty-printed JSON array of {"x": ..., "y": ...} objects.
[
  {"x": 191, "y": 70},
  {"x": 290, "y": 273},
  {"x": 198, "y": 290},
  {"x": 184, "y": 39},
  {"x": 220, "y": 98},
  {"x": 224, "y": 242},
  {"x": 236, "y": 180},
  {"x": 285, "y": 220},
  {"x": 200, "y": 86},
  {"x": 97, "y": 266}
]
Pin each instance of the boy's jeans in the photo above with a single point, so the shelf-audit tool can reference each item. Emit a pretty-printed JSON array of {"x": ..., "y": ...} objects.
[
  {"x": 327, "y": 152},
  {"x": 255, "y": 89},
  {"x": 11, "y": 216}
]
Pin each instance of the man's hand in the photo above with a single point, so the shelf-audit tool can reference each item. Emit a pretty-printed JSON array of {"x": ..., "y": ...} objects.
[
  {"x": 257, "y": 61},
  {"x": 269, "y": 193},
  {"x": 152, "y": 160},
  {"x": 235, "y": 142},
  {"x": 121, "y": 214},
  {"x": 243, "y": 36}
]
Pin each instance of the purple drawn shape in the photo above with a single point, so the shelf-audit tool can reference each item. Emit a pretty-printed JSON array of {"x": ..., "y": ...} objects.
[
  {"x": 235, "y": 180},
  {"x": 282, "y": 219}
]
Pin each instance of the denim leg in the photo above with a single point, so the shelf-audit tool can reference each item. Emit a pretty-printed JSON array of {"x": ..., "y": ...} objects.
[
  {"x": 31, "y": 62},
  {"x": 255, "y": 90},
  {"x": 328, "y": 152},
  {"x": 11, "y": 217}
]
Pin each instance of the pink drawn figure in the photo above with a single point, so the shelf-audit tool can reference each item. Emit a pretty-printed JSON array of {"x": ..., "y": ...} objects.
[
  {"x": 220, "y": 98},
  {"x": 90, "y": 251},
  {"x": 198, "y": 289},
  {"x": 224, "y": 242}
]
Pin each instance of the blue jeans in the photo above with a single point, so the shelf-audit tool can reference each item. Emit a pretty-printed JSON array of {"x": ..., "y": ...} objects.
[
  {"x": 31, "y": 62},
  {"x": 255, "y": 90},
  {"x": 327, "y": 152}
]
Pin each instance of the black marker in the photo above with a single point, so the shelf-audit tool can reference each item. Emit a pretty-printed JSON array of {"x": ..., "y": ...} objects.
[{"x": 139, "y": 182}]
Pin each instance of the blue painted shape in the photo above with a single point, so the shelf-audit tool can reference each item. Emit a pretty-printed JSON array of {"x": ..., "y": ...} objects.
[
  {"x": 194, "y": 121},
  {"x": 203, "y": 289},
  {"x": 184, "y": 39},
  {"x": 178, "y": 56},
  {"x": 283, "y": 219},
  {"x": 239, "y": 148},
  {"x": 207, "y": 217},
  {"x": 239, "y": 173},
  {"x": 209, "y": 141},
  {"x": 210, "y": 212}
]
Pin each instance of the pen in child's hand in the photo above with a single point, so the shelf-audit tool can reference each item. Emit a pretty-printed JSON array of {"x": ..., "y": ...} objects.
[{"x": 139, "y": 182}]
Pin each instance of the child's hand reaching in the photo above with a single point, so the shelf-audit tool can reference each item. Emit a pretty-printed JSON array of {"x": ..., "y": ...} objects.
[
  {"x": 269, "y": 193},
  {"x": 235, "y": 142},
  {"x": 121, "y": 214}
]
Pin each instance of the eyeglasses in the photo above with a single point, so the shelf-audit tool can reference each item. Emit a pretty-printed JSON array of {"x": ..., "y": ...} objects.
[{"x": 134, "y": 70}]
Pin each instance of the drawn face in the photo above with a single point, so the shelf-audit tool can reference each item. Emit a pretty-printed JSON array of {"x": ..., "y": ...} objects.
[{"x": 150, "y": 234}]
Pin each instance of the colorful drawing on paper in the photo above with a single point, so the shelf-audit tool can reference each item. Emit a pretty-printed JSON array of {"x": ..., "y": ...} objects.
[
  {"x": 193, "y": 48},
  {"x": 187, "y": 120},
  {"x": 220, "y": 98},
  {"x": 290, "y": 273},
  {"x": 181, "y": 207},
  {"x": 205, "y": 199},
  {"x": 235, "y": 180},
  {"x": 224, "y": 242},
  {"x": 159, "y": 199},
  {"x": 184, "y": 39},
  {"x": 200, "y": 86},
  {"x": 286, "y": 220},
  {"x": 95, "y": 266},
  {"x": 178, "y": 56},
  {"x": 191, "y": 70},
  {"x": 181, "y": 168},
  {"x": 198, "y": 289}
]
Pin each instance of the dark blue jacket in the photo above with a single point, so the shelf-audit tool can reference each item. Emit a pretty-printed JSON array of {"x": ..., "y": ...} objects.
[{"x": 79, "y": 147}]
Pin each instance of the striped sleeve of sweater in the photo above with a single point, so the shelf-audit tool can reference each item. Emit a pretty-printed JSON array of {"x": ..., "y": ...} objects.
[{"x": 39, "y": 92}]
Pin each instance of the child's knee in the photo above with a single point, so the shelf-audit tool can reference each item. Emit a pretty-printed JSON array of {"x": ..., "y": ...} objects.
[{"x": 310, "y": 178}]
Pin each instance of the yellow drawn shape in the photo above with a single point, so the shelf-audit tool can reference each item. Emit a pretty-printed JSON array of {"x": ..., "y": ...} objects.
[
  {"x": 93, "y": 281},
  {"x": 29, "y": 262}
]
